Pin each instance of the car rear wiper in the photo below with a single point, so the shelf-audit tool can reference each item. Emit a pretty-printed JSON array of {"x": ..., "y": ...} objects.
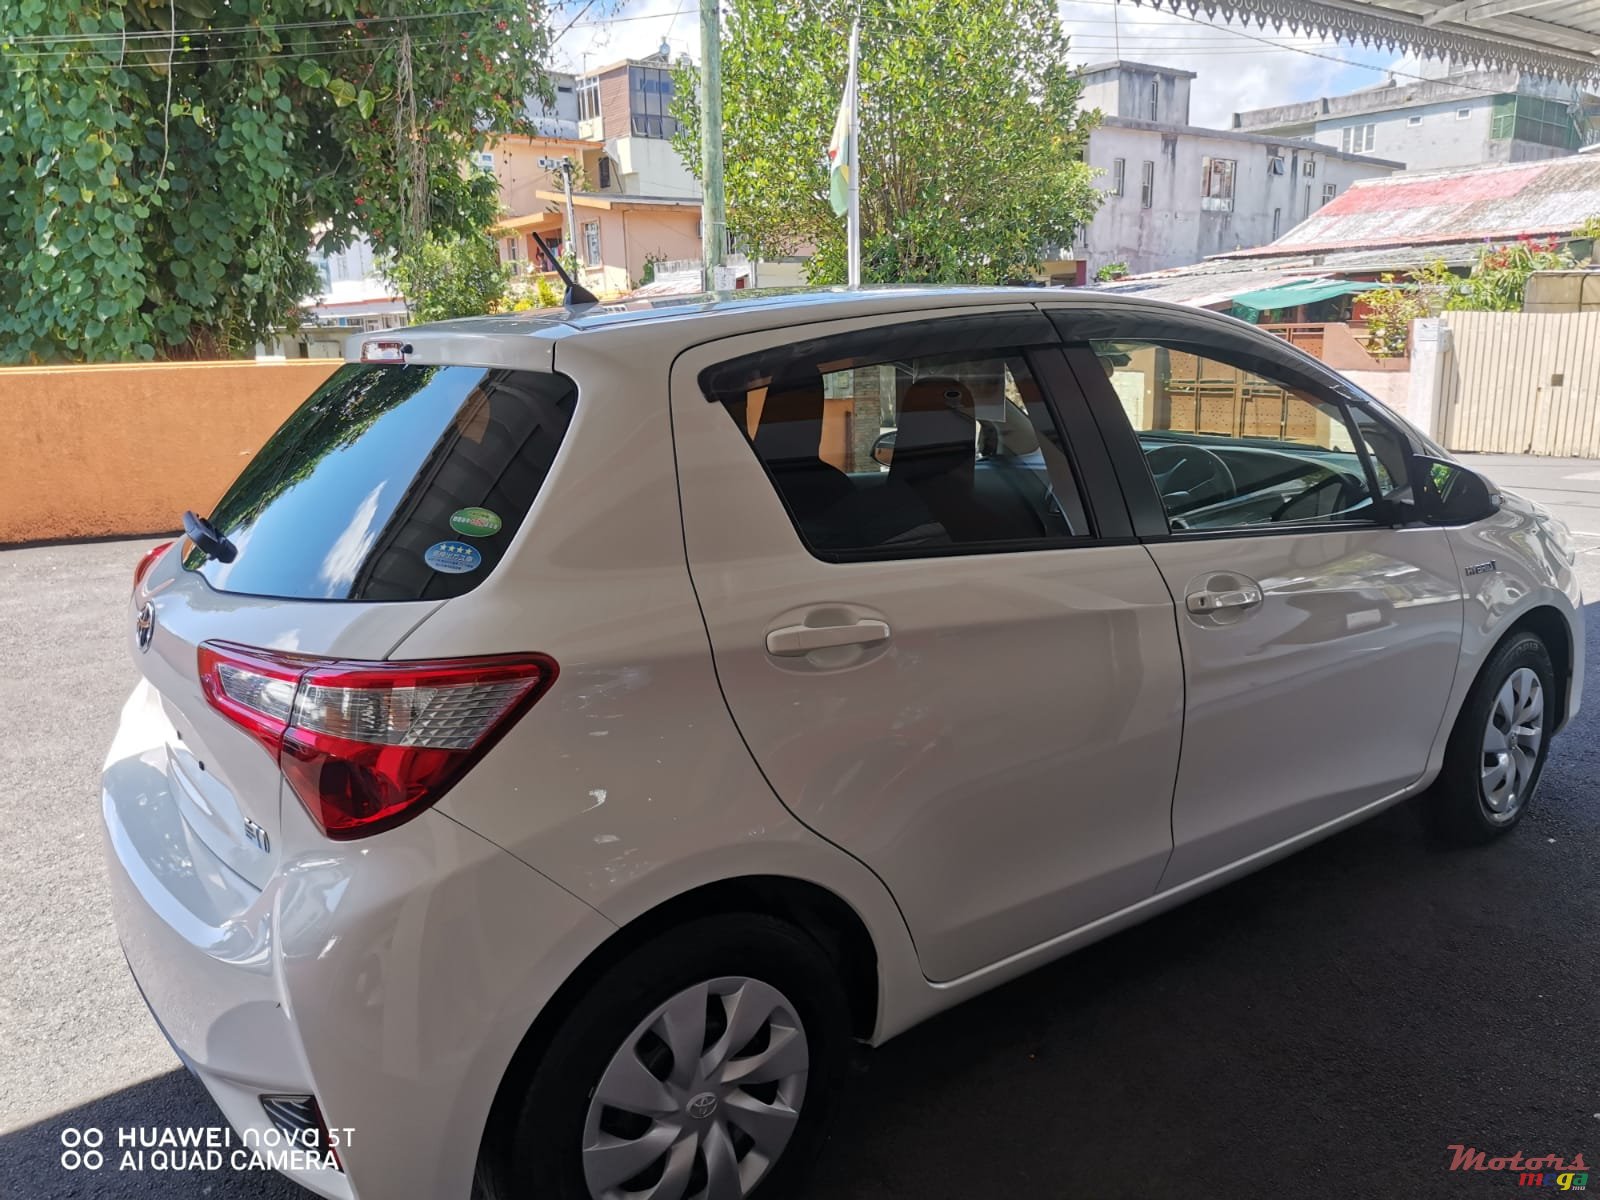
[{"x": 205, "y": 535}]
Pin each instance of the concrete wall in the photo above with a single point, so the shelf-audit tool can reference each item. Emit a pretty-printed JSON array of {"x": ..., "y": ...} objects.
[
  {"x": 1441, "y": 139},
  {"x": 1124, "y": 91},
  {"x": 93, "y": 451},
  {"x": 651, "y": 167},
  {"x": 630, "y": 235},
  {"x": 1176, "y": 231},
  {"x": 1562, "y": 291}
]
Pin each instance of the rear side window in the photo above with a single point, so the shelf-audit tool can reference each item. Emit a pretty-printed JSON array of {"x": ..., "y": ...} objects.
[
  {"x": 905, "y": 443},
  {"x": 391, "y": 483}
]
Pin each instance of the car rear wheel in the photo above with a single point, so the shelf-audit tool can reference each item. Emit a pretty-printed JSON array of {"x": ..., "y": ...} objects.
[
  {"x": 698, "y": 1067},
  {"x": 1497, "y": 749}
]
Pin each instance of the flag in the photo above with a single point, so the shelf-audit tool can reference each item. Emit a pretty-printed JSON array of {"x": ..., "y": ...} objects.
[{"x": 839, "y": 151}]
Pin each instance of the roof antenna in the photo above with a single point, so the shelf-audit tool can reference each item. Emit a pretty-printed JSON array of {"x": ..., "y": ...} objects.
[{"x": 576, "y": 293}]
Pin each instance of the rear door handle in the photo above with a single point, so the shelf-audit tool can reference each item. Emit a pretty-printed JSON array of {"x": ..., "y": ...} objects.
[
  {"x": 1208, "y": 601},
  {"x": 794, "y": 641}
]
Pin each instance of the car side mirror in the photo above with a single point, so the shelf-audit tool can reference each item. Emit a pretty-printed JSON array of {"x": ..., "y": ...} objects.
[
  {"x": 1448, "y": 493},
  {"x": 883, "y": 449}
]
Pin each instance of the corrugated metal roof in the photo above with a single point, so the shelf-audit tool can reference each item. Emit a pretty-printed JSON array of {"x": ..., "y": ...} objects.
[{"x": 1470, "y": 204}]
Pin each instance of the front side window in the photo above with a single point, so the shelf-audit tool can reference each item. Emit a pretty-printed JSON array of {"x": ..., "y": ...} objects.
[
  {"x": 1230, "y": 448},
  {"x": 878, "y": 453},
  {"x": 1216, "y": 184}
]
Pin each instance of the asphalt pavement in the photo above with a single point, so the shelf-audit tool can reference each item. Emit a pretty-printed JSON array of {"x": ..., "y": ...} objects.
[{"x": 1328, "y": 1027}]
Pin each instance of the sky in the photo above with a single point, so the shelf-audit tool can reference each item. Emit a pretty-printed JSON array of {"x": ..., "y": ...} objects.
[{"x": 1238, "y": 67}]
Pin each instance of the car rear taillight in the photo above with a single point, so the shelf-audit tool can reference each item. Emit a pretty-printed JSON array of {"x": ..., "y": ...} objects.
[
  {"x": 368, "y": 745},
  {"x": 148, "y": 560}
]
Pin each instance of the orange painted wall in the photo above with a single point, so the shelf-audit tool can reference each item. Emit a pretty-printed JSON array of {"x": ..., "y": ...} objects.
[{"x": 94, "y": 451}]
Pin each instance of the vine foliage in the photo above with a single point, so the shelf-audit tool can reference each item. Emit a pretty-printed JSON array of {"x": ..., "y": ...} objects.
[{"x": 165, "y": 165}]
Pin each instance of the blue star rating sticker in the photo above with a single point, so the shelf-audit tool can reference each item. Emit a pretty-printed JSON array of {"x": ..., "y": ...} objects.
[{"x": 452, "y": 558}]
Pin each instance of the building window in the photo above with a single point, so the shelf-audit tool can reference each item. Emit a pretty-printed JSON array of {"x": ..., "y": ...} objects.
[
  {"x": 588, "y": 98},
  {"x": 1155, "y": 99},
  {"x": 1531, "y": 119},
  {"x": 1310, "y": 169},
  {"x": 1329, "y": 191},
  {"x": 1275, "y": 165},
  {"x": 650, "y": 102},
  {"x": 484, "y": 161},
  {"x": 1147, "y": 185},
  {"x": 591, "y": 243},
  {"x": 1216, "y": 184},
  {"x": 1413, "y": 121},
  {"x": 1119, "y": 175},
  {"x": 605, "y": 172},
  {"x": 1358, "y": 139},
  {"x": 1277, "y": 223},
  {"x": 1463, "y": 113}
]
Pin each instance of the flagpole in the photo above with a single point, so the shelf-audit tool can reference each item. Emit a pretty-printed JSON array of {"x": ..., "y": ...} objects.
[{"x": 853, "y": 220}]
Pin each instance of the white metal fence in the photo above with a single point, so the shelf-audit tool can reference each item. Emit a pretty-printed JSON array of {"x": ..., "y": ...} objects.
[{"x": 1521, "y": 383}]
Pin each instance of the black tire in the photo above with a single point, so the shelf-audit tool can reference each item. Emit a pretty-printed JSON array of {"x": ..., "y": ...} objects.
[
  {"x": 1455, "y": 806},
  {"x": 539, "y": 1156}
]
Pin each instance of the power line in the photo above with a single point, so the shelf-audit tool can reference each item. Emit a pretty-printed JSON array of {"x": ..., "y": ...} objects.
[{"x": 118, "y": 36}]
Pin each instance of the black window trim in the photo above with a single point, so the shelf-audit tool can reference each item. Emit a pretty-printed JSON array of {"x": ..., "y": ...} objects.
[
  {"x": 1148, "y": 514},
  {"x": 1103, "y": 499}
]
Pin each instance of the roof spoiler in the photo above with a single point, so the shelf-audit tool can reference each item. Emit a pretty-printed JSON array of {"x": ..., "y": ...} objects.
[{"x": 576, "y": 293}]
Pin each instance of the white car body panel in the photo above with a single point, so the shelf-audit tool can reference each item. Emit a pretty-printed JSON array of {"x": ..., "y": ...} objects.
[
  {"x": 1006, "y": 765},
  {"x": 1289, "y": 684},
  {"x": 394, "y": 977}
]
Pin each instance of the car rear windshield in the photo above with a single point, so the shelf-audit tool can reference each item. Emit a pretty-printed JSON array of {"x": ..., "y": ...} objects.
[{"x": 391, "y": 483}]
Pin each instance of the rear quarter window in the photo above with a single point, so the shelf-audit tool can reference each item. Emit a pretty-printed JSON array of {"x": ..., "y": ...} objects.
[{"x": 391, "y": 483}]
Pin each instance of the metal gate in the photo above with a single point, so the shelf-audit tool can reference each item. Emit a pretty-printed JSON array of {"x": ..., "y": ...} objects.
[{"x": 1521, "y": 383}]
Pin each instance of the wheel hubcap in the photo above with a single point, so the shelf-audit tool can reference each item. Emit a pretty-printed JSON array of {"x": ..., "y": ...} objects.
[
  {"x": 1511, "y": 743},
  {"x": 701, "y": 1099}
]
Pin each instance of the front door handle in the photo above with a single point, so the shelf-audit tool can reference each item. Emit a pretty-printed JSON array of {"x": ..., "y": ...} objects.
[
  {"x": 1207, "y": 601},
  {"x": 794, "y": 641}
]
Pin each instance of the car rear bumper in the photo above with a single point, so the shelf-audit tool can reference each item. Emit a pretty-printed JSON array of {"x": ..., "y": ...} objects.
[{"x": 390, "y": 978}]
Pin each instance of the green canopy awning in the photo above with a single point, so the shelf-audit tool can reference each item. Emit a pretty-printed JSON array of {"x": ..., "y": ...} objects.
[{"x": 1250, "y": 305}]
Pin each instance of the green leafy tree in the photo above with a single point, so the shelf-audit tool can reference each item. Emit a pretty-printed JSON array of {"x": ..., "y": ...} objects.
[
  {"x": 971, "y": 136},
  {"x": 1390, "y": 311},
  {"x": 165, "y": 164},
  {"x": 456, "y": 276}
]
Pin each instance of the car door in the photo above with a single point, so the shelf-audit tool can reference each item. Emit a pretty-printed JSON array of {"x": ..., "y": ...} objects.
[
  {"x": 930, "y": 620},
  {"x": 1319, "y": 640}
]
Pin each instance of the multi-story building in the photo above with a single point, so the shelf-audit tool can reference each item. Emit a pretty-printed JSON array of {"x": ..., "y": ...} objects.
[
  {"x": 633, "y": 203},
  {"x": 1459, "y": 120},
  {"x": 1174, "y": 193},
  {"x": 557, "y": 115}
]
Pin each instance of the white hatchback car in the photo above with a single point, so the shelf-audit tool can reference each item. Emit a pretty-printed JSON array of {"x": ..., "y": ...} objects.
[{"x": 571, "y": 730}]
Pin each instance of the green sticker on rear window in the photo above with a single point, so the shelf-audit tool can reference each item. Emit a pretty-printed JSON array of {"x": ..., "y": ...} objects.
[{"x": 475, "y": 522}]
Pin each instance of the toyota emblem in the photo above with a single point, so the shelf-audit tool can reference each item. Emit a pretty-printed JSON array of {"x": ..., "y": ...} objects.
[{"x": 144, "y": 625}]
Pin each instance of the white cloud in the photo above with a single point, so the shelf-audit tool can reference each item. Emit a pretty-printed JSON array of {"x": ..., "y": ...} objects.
[
  {"x": 608, "y": 30},
  {"x": 351, "y": 547},
  {"x": 1235, "y": 66}
]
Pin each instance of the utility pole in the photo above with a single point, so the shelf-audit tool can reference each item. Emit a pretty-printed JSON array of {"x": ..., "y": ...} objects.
[
  {"x": 853, "y": 220},
  {"x": 713, "y": 205},
  {"x": 570, "y": 241}
]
